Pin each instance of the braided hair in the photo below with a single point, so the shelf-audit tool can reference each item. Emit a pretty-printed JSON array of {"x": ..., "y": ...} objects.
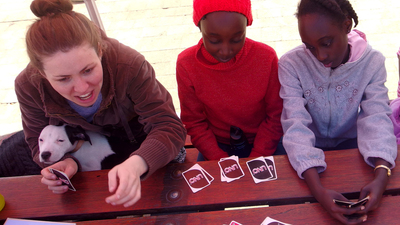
[{"x": 338, "y": 10}]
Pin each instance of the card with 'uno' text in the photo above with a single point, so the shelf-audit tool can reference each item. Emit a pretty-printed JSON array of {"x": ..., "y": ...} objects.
[
  {"x": 262, "y": 169},
  {"x": 63, "y": 177},
  {"x": 197, "y": 178},
  {"x": 271, "y": 165},
  {"x": 230, "y": 169}
]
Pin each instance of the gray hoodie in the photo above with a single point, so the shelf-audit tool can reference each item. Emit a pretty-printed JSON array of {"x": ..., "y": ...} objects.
[{"x": 324, "y": 107}]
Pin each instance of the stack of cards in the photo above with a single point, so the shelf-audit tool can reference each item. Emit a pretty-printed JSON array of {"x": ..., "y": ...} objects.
[
  {"x": 350, "y": 204},
  {"x": 262, "y": 169},
  {"x": 270, "y": 221},
  {"x": 230, "y": 169},
  {"x": 197, "y": 178}
]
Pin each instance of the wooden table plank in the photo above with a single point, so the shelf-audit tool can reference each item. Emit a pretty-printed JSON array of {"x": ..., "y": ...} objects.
[
  {"x": 307, "y": 214},
  {"x": 167, "y": 192},
  {"x": 191, "y": 155}
]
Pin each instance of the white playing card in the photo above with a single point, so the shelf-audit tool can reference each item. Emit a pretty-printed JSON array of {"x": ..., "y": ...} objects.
[
  {"x": 270, "y": 221},
  {"x": 197, "y": 178},
  {"x": 271, "y": 165},
  {"x": 234, "y": 223},
  {"x": 230, "y": 169},
  {"x": 63, "y": 177},
  {"x": 259, "y": 170}
]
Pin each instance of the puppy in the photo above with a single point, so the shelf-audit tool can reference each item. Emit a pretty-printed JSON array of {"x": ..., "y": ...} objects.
[{"x": 56, "y": 141}]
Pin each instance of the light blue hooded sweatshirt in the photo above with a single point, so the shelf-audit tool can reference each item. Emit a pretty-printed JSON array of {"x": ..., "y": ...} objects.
[{"x": 324, "y": 107}]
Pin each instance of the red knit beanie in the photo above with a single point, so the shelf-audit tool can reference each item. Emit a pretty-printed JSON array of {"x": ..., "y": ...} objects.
[{"x": 203, "y": 7}]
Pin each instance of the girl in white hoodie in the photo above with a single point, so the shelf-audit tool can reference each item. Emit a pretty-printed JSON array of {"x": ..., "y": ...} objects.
[{"x": 334, "y": 98}]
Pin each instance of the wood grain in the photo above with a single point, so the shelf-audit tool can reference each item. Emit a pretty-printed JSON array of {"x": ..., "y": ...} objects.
[
  {"x": 300, "y": 214},
  {"x": 167, "y": 192}
]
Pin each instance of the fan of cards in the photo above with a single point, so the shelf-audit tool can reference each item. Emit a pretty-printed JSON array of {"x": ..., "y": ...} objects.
[
  {"x": 261, "y": 169},
  {"x": 349, "y": 204},
  {"x": 63, "y": 177}
]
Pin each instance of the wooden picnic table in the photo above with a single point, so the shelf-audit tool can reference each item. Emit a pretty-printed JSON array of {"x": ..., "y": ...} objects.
[
  {"x": 297, "y": 214},
  {"x": 166, "y": 192}
]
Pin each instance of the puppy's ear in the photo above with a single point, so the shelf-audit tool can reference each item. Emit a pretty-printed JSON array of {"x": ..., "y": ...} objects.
[{"x": 76, "y": 133}]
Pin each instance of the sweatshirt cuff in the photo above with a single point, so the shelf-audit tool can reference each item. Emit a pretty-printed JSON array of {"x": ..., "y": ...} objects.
[
  {"x": 68, "y": 155},
  {"x": 320, "y": 165}
]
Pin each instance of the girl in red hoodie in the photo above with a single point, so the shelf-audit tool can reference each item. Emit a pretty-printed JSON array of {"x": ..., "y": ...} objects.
[{"x": 228, "y": 84}]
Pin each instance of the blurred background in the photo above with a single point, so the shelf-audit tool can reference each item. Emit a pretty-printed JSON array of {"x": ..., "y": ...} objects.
[{"x": 161, "y": 29}]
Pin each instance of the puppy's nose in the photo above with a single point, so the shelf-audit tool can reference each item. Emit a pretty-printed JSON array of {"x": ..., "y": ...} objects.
[{"x": 46, "y": 155}]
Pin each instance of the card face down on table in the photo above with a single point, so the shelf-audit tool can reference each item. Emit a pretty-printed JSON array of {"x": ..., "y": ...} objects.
[
  {"x": 230, "y": 169},
  {"x": 197, "y": 178},
  {"x": 262, "y": 169}
]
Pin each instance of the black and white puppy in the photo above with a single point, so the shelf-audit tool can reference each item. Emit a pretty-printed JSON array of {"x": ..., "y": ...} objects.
[{"x": 56, "y": 141}]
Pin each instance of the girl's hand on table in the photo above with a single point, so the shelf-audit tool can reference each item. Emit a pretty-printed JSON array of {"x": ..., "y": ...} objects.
[
  {"x": 376, "y": 187},
  {"x": 124, "y": 180},
  {"x": 67, "y": 166}
]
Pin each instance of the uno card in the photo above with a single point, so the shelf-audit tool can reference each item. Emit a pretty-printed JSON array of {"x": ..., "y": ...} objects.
[
  {"x": 208, "y": 176},
  {"x": 341, "y": 203},
  {"x": 230, "y": 169},
  {"x": 361, "y": 202},
  {"x": 197, "y": 178},
  {"x": 271, "y": 165},
  {"x": 63, "y": 177},
  {"x": 350, "y": 204},
  {"x": 259, "y": 170},
  {"x": 270, "y": 221},
  {"x": 234, "y": 223}
]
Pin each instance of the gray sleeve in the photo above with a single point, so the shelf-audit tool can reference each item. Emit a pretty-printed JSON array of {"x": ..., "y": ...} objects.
[
  {"x": 375, "y": 133},
  {"x": 298, "y": 139}
]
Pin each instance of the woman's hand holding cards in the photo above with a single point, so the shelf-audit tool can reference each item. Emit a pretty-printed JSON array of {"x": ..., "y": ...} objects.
[{"x": 67, "y": 166}]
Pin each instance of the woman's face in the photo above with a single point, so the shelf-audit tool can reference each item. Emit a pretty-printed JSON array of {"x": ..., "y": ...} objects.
[
  {"x": 77, "y": 75},
  {"x": 325, "y": 38},
  {"x": 224, "y": 34}
]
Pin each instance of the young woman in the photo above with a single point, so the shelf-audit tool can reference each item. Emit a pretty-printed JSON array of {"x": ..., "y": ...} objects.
[
  {"x": 334, "y": 97},
  {"x": 228, "y": 82},
  {"x": 77, "y": 75}
]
